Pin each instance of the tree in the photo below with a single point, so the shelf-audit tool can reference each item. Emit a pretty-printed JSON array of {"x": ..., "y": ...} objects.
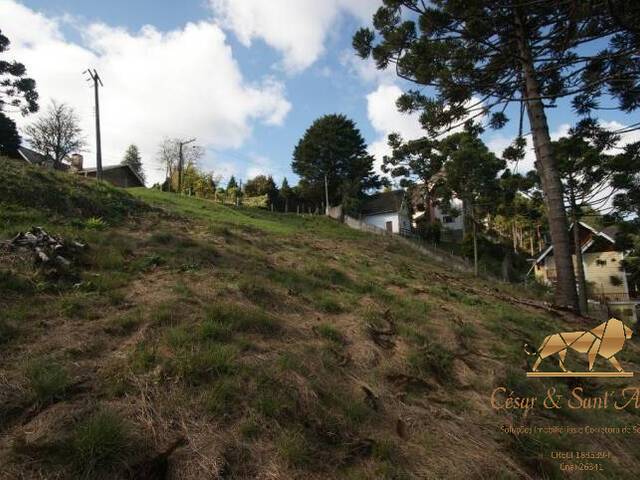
[
  {"x": 333, "y": 147},
  {"x": 16, "y": 90},
  {"x": 586, "y": 176},
  {"x": 232, "y": 183},
  {"x": 418, "y": 163},
  {"x": 133, "y": 159},
  {"x": 286, "y": 193},
  {"x": 57, "y": 133},
  {"x": 262, "y": 185},
  {"x": 479, "y": 56},
  {"x": 168, "y": 157},
  {"x": 9, "y": 137},
  {"x": 471, "y": 174},
  {"x": 626, "y": 167}
]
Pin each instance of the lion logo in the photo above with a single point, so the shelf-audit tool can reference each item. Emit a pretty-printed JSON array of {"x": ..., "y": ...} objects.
[{"x": 606, "y": 340}]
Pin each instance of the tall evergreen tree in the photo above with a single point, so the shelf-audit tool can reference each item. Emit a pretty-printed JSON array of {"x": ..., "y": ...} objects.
[
  {"x": 286, "y": 193},
  {"x": 479, "y": 56},
  {"x": 232, "y": 183},
  {"x": 9, "y": 137},
  {"x": 586, "y": 175},
  {"x": 333, "y": 147},
  {"x": 133, "y": 159}
]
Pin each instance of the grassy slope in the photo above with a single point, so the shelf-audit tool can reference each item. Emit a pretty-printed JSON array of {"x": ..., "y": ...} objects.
[{"x": 245, "y": 333}]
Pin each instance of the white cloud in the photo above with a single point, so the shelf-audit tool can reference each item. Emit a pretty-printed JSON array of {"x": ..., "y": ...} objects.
[
  {"x": 182, "y": 83},
  {"x": 365, "y": 69},
  {"x": 386, "y": 119},
  {"x": 296, "y": 28}
]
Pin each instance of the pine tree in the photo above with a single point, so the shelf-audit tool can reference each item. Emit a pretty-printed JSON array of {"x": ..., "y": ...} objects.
[
  {"x": 232, "y": 183},
  {"x": 333, "y": 147},
  {"x": 480, "y": 56},
  {"x": 133, "y": 159},
  {"x": 9, "y": 137}
]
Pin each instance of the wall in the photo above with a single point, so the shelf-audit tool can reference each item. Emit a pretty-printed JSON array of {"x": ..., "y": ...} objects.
[
  {"x": 457, "y": 223},
  {"x": 381, "y": 219},
  {"x": 600, "y": 274}
]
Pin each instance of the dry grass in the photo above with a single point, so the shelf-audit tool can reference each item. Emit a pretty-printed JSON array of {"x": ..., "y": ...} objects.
[{"x": 248, "y": 334}]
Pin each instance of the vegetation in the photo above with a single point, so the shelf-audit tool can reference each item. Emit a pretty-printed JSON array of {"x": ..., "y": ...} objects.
[
  {"x": 57, "y": 133},
  {"x": 333, "y": 147},
  {"x": 480, "y": 57},
  {"x": 256, "y": 342},
  {"x": 133, "y": 159},
  {"x": 18, "y": 91},
  {"x": 9, "y": 137}
]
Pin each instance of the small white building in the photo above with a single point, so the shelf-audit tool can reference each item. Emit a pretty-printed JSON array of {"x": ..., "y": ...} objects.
[
  {"x": 453, "y": 225},
  {"x": 387, "y": 210}
]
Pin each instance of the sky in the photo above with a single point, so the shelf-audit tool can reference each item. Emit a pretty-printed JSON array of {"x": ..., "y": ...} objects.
[{"x": 245, "y": 78}]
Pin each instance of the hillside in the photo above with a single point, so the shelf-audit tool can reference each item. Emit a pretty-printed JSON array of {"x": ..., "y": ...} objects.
[{"x": 191, "y": 340}]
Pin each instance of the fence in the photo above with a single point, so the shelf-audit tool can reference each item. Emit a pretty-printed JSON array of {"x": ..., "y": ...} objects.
[{"x": 413, "y": 242}]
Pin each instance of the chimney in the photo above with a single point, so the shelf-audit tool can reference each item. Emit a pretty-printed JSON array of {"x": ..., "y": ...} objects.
[{"x": 76, "y": 161}]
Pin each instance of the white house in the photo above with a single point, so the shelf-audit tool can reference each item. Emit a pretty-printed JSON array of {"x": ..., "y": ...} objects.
[
  {"x": 453, "y": 224},
  {"x": 387, "y": 210}
]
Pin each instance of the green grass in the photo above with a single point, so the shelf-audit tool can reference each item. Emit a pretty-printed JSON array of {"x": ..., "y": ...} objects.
[
  {"x": 223, "y": 397},
  {"x": 432, "y": 359},
  {"x": 196, "y": 365},
  {"x": 48, "y": 380},
  {"x": 31, "y": 187},
  {"x": 331, "y": 333},
  {"x": 102, "y": 443}
]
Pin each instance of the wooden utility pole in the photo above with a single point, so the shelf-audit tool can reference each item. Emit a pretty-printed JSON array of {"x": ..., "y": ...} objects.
[
  {"x": 181, "y": 162},
  {"x": 97, "y": 82}
]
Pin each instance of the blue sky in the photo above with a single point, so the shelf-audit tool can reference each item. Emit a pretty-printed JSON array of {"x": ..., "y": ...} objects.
[{"x": 252, "y": 80}]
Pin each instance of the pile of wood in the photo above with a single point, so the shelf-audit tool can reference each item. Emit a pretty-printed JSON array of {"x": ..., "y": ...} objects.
[{"x": 49, "y": 251}]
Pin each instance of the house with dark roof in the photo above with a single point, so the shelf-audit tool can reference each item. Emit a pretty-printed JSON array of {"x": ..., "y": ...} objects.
[
  {"x": 387, "y": 210},
  {"x": 34, "y": 158},
  {"x": 123, "y": 176},
  {"x": 119, "y": 175},
  {"x": 606, "y": 278}
]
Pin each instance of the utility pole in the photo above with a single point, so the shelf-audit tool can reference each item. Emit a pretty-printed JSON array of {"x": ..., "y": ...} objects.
[
  {"x": 326, "y": 195},
  {"x": 97, "y": 82},
  {"x": 181, "y": 161}
]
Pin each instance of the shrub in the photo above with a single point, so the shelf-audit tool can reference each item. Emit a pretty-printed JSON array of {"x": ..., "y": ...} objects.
[{"x": 95, "y": 223}]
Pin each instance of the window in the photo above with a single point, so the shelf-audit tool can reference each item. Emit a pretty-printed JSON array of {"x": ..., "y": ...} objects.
[{"x": 447, "y": 219}]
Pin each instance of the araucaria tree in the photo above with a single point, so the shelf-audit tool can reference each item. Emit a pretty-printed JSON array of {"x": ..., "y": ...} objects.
[
  {"x": 17, "y": 91},
  {"x": 9, "y": 137},
  {"x": 587, "y": 173},
  {"x": 334, "y": 147},
  {"x": 57, "y": 133},
  {"x": 479, "y": 56},
  {"x": 133, "y": 159}
]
